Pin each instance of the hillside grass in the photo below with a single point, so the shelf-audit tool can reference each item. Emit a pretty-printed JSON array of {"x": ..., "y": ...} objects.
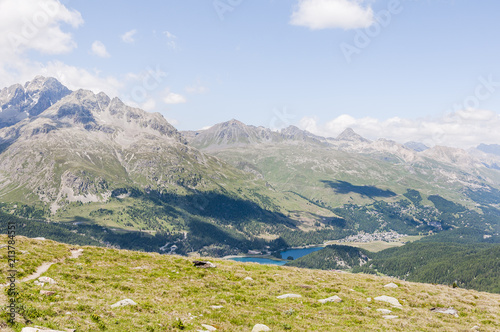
[{"x": 174, "y": 295}]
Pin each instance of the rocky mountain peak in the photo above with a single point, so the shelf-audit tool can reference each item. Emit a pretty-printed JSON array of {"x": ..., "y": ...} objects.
[
  {"x": 234, "y": 123},
  {"x": 19, "y": 102},
  {"x": 350, "y": 135},
  {"x": 98, "y": 112},
  {"x": 489, "y": 148},
  {"x": 296, "y": 134},
  {"x": 416, "y": 146}
]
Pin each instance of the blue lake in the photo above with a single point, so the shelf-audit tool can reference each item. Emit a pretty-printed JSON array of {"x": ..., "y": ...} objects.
[{"x": 295, "y": 253}]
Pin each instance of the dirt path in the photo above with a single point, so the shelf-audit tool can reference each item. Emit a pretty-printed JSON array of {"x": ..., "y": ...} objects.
[
  {"x": 46, "y": 266},
  {"x": 39, "y": 271}
]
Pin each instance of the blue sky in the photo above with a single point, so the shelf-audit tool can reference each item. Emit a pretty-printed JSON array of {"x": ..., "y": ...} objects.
[{"x": 428, "y": 71}]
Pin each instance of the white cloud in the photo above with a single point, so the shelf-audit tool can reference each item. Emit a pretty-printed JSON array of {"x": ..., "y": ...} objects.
[
  {"x": 324, "y": 14},
  {"x": 464, "y": 129},
  {"x": 40, "y": 26},
  {"x": 99, "y": 49},
  {"x": 173, "y": 98},
  {"x": 148, "y": 105},
  {"x": 32, "y": 25},
  {"x": 173, "y": 122},
  {"x": 128, "y": 37},
  {"x": 171, "y": 40},
  {"x": 36, "y": 25},
  {"x": 78, "y": 78}
]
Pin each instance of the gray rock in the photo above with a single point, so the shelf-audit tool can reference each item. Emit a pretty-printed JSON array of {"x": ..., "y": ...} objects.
[
  {"x": 389, "y": 317},
  {"x": 388, "y": 299},
  {"x": 449, "y": 311},
  {"x": 286, "y": 296},
  {"x": 334, "y": 298},
  {"x": 391, "y": 285},
  {"x": 123, "y": 303},
  {"x": 384, "y": 311},
  {"x": 260, "y": 328},
  {"x": 47, "y": 293},
  {"x": 208, "y": 327},
  {"x": 248, "y": 278},
  {"x": 47, "y": 280},
  {"x": 204, "y": 265},
  {"x": 216, "y": 307},
  {"x": 38, "y": 329}
]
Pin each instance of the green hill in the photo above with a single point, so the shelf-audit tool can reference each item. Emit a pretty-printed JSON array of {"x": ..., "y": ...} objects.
[
  {"x": 173, "y": 295},
  {"x": 333, "y": 257},
  {"x": 473, "y": 266}
]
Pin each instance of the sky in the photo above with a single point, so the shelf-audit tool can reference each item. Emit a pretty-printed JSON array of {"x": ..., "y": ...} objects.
[{"x": 421, "y": 70}]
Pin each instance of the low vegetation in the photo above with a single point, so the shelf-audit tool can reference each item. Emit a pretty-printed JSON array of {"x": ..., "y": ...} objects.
[{"x": 173, "y": 295}]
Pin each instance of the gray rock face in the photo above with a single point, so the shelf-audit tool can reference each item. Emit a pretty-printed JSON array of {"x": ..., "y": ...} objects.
[{"x": 19, "y": 102}]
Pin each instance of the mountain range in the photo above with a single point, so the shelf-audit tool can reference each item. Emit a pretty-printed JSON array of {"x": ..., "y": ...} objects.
[{"x": 81, "y": 158}]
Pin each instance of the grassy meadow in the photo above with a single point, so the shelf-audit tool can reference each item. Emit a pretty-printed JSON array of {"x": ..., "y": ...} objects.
[{"x": 173, "y": 295}]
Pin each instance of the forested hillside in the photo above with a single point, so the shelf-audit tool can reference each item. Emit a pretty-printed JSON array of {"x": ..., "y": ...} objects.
[
  {"x": 474, "y": 266},
  {"x": 333, "y": 257}
]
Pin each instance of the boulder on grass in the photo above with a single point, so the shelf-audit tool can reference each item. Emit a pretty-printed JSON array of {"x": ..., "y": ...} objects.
[
  {"x": 260, "y": 328},
  {"x": 123, "y": 303},
  {"x": 204, "y": 264},
  {"x": 334, "y": 298},
  {"x": 449, "y": 311}
]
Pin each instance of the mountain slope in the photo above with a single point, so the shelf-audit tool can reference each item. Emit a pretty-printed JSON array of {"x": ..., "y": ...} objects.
[
  {"x": 234, "y": 133},
  {"x": 172, "y": 294},
  {"x": 91, "y": 159},
  {"x": 472, "y": 266},
  {"x": 369, "y": 184},
  {"x": 333, "y": 257}
]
